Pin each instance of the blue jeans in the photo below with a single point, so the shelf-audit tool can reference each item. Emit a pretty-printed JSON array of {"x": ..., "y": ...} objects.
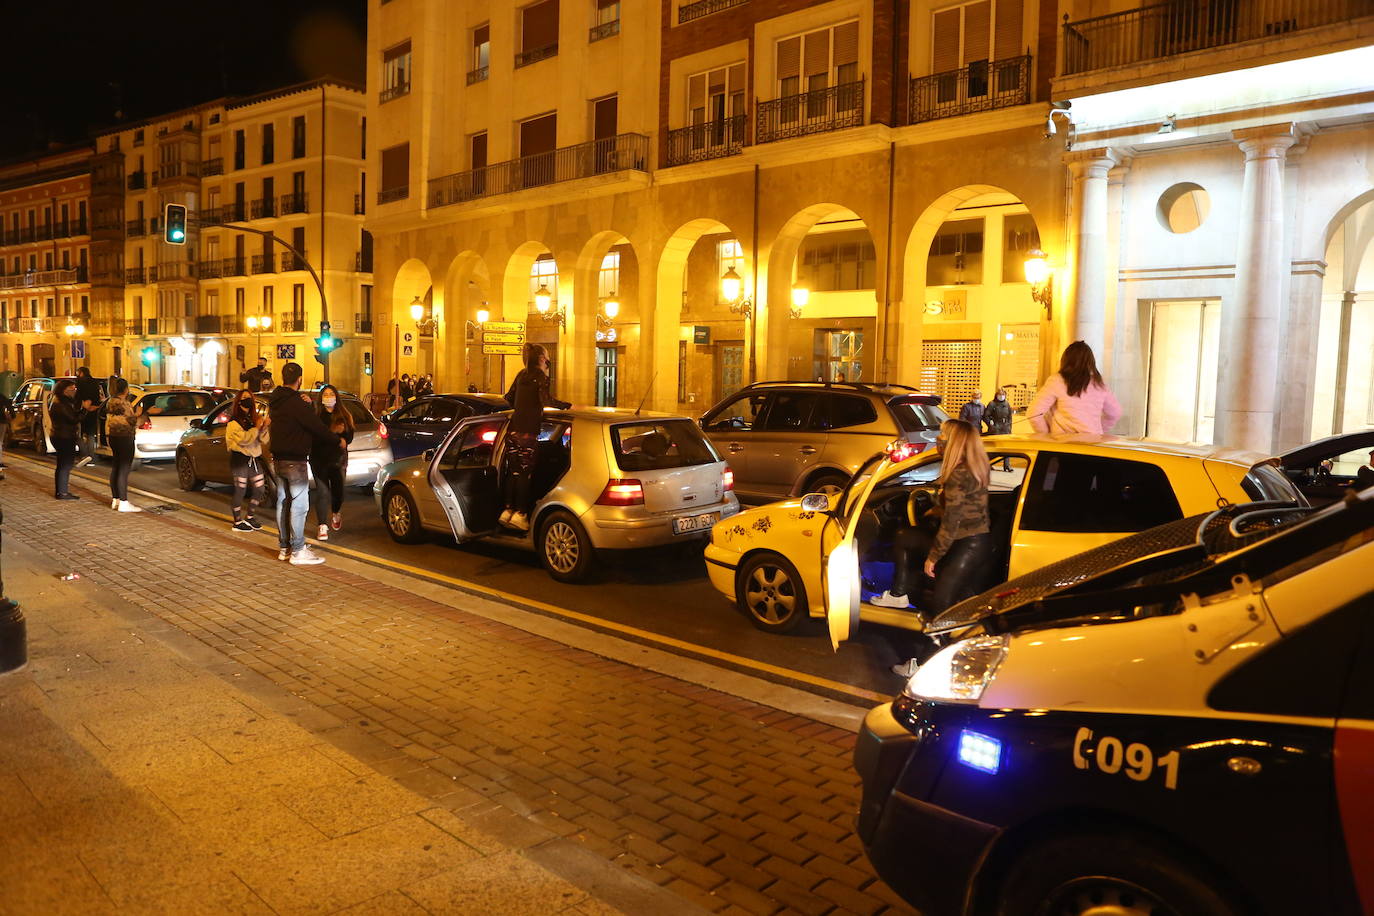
[{"x": 293, "y": 499}]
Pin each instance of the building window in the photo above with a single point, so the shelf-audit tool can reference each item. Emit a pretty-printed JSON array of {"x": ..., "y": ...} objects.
[
  {"x": 607, "y": 376},
  {"x": 1018, "y": 229},
  {"x": 607, "y": 21},
  {"x": 538, "y": 32},
  {"x": 715, "y": 95},
  {"x": 396, "y": 71},
  {"x": 480, "y": 65},
  {"x": 138, "y": 137},
  {"x": 395, "y": 174},
  {"x": 608, "y": 280},
  {"x": 971, "y": 34},
  {"x": 212, "y": 302},
  {"x": 239, "y": 305},
  {"x": 298, "y": 304},
  {"x": 818, "y": 60},
  {"x": 362, "y": 139},
  {"x": 544, "y": 272},
  {"x": 268, "y": 142},
  {"x": 268, "y": 298},
  {"x": 66, "y": 305},
  {"x": 956, "y": 254},
  {"x": 837, "y": 261},
  {"x": 298, "y": 136},
  {"x": 366, "y": 304},
  {"x": 240, "y": 149},
  {"x": 729, "y": 254}
]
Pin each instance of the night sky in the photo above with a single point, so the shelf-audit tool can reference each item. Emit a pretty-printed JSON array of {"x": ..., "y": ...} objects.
[{"x": 70, "y": 67}]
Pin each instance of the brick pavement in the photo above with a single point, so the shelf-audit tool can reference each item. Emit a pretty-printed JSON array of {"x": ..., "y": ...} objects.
[{"x": 731, "y": 805}]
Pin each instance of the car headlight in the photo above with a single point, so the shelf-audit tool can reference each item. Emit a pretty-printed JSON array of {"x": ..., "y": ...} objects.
[{"x": 960, "y": 672}]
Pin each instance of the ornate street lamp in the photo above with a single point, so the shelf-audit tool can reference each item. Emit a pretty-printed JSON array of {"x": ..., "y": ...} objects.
[
  {"x": 800, "y": 296},
  {"x": 1040, "y": 276},
  {"x": 732, "y": 291},
  {"x": 543, "y": 304}
]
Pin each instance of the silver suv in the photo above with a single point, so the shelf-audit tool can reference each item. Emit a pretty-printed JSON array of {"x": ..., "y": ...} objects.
[{"x": 788, "y": 438}]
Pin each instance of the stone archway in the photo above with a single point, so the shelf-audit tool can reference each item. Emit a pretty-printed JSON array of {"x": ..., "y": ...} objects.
[
  {"x": 609, "y": 344},
  {"x": 413, "y": 281},
  {"x": 468, "y": 287},
  {"x": 1342, "y": 397}
]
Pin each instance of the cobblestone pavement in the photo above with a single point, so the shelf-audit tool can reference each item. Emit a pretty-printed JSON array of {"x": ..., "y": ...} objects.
[{"x": 731, "y": 805}]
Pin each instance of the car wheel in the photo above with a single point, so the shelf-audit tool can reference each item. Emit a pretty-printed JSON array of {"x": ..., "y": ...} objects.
[
  {"x": 1094, "y": 873},
  {"x": 186, "y": 473},
  {"x": 564, "y": 547},
  {"x": 770, "y": 591},
  {"x": 402, "y": 519},
  {"x": 829, "y": 484},
  {"x": 40, "y": 443}
]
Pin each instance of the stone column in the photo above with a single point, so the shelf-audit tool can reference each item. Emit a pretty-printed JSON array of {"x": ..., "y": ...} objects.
[
  {"x": 1088, "y": 169},
  {"x": 1247, "y": 369}
]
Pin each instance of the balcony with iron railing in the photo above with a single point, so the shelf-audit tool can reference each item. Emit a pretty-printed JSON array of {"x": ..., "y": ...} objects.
[
  {"x": 390, "y": 195},
  {"x": 135, "y": 228},
  {"x": 584, "y": 160},
  {"x": 1164, "y": 30},
  {"x": 264, "y": 208},
  {"x": 709, "y": 140},
  {"x": 362, "y": 263},
  {"x": 233, "y": 267},
  {"x": 28, "y": 325},
  {"x": 394, "y": 92},
  {"x": 39, "y": 278},
  {"x": 22, "y": 236},
  {"x": 535, "y": 55},
  {"x": 152, "y": 273},
  {"x": 264, "y": 264},
  {"x": 291, "y": 323},
  {"x": 209, "y": 216},
  {"x": 981, "y": 86},
  {"x": 212, "y": 167},
  {"x": 689, "y": 11},
  {"x": 294, "y": 203},
  {"x": 359, "y": 205},
  {"x": 362, "y": 324},
  {"x": 479, "y": 75},
  {"x": 135, "y": 276},
  {"x": 816, "y": 112},
  {"x": 604, "y": 30},
  {"x": 232, "y": 324},
  {"x": 178, "y": 168},
  {"x": 209, "y": 324},
  {"x": 210, "y": 269},
  {"x": 137, "y": 181},
  {"x": 290, "y": 262}
]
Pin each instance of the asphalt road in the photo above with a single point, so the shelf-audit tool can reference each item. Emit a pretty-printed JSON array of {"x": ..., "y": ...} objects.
[{"x": 662, "y": 591}]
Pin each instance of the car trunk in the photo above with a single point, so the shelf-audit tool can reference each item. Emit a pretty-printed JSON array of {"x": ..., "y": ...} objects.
[
  {"x": 681, "y": 489},
  {"x": 677, "y": 467}
]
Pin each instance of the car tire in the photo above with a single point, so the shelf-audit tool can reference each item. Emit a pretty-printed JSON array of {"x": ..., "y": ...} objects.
[
  {"x": 564, "y": 547},
  {"x": 186, "y": 474},
  {"x": 40, "y": 443},
  {"x": 401, "y": 517},
  {"x": 1082, "y": 873},
  {"x": 827, "y": 484},
  {"x": 770, "y": 592}
]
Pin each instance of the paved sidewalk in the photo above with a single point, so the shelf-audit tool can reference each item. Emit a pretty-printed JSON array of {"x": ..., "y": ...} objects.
[{"x": 309, "y": 739}]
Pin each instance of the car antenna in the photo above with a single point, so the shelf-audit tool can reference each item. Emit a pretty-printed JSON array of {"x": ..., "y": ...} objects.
[{"x": 646, "y": 393}]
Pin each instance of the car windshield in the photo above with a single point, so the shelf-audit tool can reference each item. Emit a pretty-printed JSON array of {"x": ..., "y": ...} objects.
[
  {"x": 655, "y": 445},
  {"x": 1269, "y": 483},
  {"x": 177, "y": 403},
  {"x": 914, "y": 417}
]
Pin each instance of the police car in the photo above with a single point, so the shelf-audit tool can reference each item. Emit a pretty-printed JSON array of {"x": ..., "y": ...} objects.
[{"x": 1181, "y": 722}]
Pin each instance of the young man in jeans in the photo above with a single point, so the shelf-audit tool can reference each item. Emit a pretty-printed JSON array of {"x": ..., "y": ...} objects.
[{"x": 296, "y": 432}]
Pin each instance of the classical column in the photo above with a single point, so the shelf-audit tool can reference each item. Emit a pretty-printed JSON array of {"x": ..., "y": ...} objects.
[
  {"x": 1247, "y": 369},
  {"x": 1089, "y": 169}
]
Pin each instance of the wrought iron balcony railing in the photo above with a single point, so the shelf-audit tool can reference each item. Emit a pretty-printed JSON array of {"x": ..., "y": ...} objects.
[
  {"x": 264, "y": 208},
  {"x": 152, "y": 274},
  {"x": 36, "y": 278},
  {"x": 1162, "y": 30},
  {"x": 981, "y": 86},
  {"x": 362, "y": 263},
  {"x": 359, "y": 204},
  {"x": 290, "y": 323},
  {"x": 135, "y": 228},
  {"x": 394, "y": 92},
  {"x": 604, "y": 30},
  {"x": 599, "y": 157},
  {"x": 232, "y": 267},
  {"x": 138, "y": 180},
  {"x": 709, "y": 140},
  {"x": 290, "y": 262},
  {"x": 689, "y": 11},
  {"x": 295, "y": 203},
  {"x": 815, "y": 112},
  {"x": 264, "y": 264},
  {"x": 209, "y": 324},
  {"x": 534, "y": 55},
  {"x": 231, "y": 324},
  {"x": 134, "y": 276},
  {"x": 478, "y": 75},
  {"x": 387, "y": 195},
  {"x": 362, "y": 324},
  {"x": 213, "y": 167},
  {"x": 211, "y": 269}
]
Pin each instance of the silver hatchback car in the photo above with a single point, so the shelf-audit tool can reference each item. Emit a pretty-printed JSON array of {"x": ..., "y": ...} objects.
[{"x": 605, "y": 479}]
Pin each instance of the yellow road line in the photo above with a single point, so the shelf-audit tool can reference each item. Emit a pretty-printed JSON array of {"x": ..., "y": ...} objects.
[{"x": 521, "y": 601}]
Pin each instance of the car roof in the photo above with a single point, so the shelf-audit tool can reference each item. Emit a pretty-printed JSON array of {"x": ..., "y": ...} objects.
[
  {"x": 599, "y": 415},
  {"x": 1091, "y": 444},
  {"x": 1324, "y": 448},
  {"x": 887, "y": 389}
]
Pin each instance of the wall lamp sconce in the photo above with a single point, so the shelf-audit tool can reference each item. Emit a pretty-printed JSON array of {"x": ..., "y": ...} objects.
[
  {"x": 732, "y": 291},
  {"x": 417, "y": 312},
  {"x": 800, "y": 296},
  {"x": 543, "y": 304},
  {"x": 605, "y": 319},
  {"x": 1040, "y": 276},
  {"x": 483, "y": 316}
]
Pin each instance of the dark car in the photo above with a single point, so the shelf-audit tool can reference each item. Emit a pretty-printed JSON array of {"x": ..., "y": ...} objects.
[
  {"x": 29, "y": 403},
  {"x": 423, "y": 423},
  {"x": 1327, "y": 469}
]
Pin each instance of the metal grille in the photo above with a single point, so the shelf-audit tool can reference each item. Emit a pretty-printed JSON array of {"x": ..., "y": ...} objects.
[{"x": 951, "y": 369}]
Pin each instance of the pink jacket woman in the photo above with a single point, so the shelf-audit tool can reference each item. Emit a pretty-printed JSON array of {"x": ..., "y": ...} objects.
[{"x": 1075, "y": 399}]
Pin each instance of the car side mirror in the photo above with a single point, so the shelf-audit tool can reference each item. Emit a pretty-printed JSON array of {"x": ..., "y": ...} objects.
[
  {"x": 815, "y": 502},
  {"x": 429, "y": 455}
]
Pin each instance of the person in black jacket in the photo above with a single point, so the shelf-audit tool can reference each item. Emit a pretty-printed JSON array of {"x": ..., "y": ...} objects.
[
  {"x": 296, "y": 432},
  {"x": 997, "y": 415},
  {"x": 328, "y": 464},
  {"x": 88, "y": 396},
  {"x": 253, "y": 378},
  {"x": 6, "y": 414},
  {"x": 529, "y": 394},
  {"x": 65, "y": 415}
]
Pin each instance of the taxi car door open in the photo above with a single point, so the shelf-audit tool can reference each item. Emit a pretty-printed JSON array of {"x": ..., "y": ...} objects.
[
  {"x": 465, "y": 479},
  {"x": 840, "y": 562}
]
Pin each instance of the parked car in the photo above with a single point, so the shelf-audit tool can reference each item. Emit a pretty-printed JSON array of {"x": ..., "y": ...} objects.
[
  {"x": 169, "y": 411},
  {"x": 1184, "y": 727},
  {"x": 423, "y": 423},
  {"x": 30, "y": 402},
  {"x": 1325, "y": 470},
  {"x": 604, "y": 479},
  {"x": 791, "y": 438},
  {"x": 1050, "y": 497},
  {"x": 202, "y": 457}
]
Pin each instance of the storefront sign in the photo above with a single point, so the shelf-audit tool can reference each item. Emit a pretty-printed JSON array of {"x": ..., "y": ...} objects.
[{"x": 701, "y": 334}]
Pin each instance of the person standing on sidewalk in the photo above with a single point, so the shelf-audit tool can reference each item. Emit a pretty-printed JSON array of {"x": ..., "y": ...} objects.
[
  {"x": 1075, "y": 399},
  {"x": 253, "y": 378},
  {"x": 972, "y": 412},
  {"x": 244, "y": 437},
  {"x": 529, "y": 394},
  {"x": 65, "y": 416},
  {"x": 997, "y": 415},
  {"x": 296, "y": 432},
  {"x": 328, "y": 464},
  {"x": 88, "y": 396},
  {"x": 6, "y": 414},
  {"x": 121, "y": 425}
]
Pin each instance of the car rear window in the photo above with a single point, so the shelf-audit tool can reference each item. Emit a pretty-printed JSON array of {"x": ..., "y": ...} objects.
[
  {"x": 178, "y": 403},
  {"x": 660, "y": 444},
  {"x": 842, "y": 410},
  {"x": 1267, "y": 482},
  {"x": 361, "y": 415},
  {"x": 915, "y": 417}
]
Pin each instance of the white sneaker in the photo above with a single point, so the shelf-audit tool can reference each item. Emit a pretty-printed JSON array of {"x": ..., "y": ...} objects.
[
  {"x": 906, "y": 668},
  {"x": 520, "y": 521},
  {"x": 504, "y": 520},
  {"x": 284, "y": 553},
  {"x": 126, "y": 506},
  {"x": 114, "y": 504},
  {"x": 323, "y": 533},
  {"x": 82, "y": 462},
  {"x": 306, "y": 557},
  {"x": 887, "y": 599}
]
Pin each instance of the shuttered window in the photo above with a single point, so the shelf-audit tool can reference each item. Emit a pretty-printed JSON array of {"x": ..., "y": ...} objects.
[
  {"x": 715, "y": 94},
  {"x": 1006, "y": 41},
  {"x": 481, "y": 47},
  {"x": 818, "y": 60},
  {"x": 539, "y": 26},
  {"x": 975, "y": 32}
]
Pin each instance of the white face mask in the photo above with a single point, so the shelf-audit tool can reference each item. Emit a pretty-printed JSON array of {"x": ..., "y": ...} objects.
[
  {"x": 1001, "y": 397},
  {"x": 330, "y": 402}
]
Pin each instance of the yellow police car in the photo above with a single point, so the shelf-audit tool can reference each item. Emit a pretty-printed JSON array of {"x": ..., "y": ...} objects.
[
  {"x": 1181, "y": 724},
  {"x": 1050, "y": 497}
]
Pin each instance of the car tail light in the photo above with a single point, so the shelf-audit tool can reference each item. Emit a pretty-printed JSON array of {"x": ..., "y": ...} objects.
[
  {"x": 622, "y": 492},
  {"x": 146, "y": 424},
  {"x": 489, "y": 436},
  {"x": 727, "y": 479},
  {"x": 381, "y": 429}
]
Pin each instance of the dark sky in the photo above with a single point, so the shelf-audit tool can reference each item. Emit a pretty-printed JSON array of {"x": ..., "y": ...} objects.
[{"x": 71, "y": 66}]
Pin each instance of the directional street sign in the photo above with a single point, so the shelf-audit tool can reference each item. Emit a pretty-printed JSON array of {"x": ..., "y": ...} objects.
[
  {"x": 505, "y": 327},
  {"x": 503, "y": 338},
  {"x": 502, "y": 349},
  {"x": 494, "y": 338}
]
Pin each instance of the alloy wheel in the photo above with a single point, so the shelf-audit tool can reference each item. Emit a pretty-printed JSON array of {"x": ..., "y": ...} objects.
[
  {"x": 561, "y": 547},
  {"x": 1104, "y": 896},
  {"x": 398, "y": 514},
  {"x": 771, "y": 594}
]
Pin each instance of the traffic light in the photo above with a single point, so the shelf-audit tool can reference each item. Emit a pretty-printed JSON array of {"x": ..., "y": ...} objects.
[
  {"x": 174, "y": 224},
  {"x": 149, "y": 355},
  {"x": 326, "y": 343},
  {"x": 367, "y": 363}
]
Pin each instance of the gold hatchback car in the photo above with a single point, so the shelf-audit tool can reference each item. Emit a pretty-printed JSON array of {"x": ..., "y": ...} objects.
[{"x": 1050, "y": 497}]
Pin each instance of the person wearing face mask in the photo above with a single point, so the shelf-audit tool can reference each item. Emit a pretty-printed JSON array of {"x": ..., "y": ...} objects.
[
  {"x": 328, "y": 464},
  {"x": 65, "y": 416},
  {"x": 997, "y": 415},
  {"x": 121, "y": 425},
  {"x": 529, "y": 394},
  {"x": 245, "y": 437},
  {"x": 972, "y": 412}
]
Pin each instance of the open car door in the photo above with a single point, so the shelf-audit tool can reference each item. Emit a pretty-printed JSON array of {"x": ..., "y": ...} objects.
[
  {"x": 840, "y": 563},
  {"x": 465, "y": 478}
]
